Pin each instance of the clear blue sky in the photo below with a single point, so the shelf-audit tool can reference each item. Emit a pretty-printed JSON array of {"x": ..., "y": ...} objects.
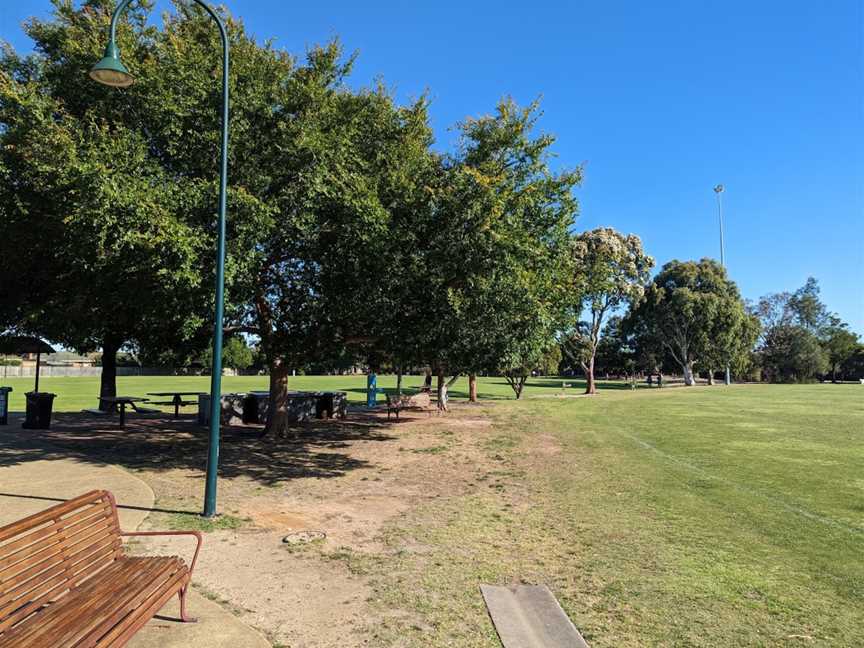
[{"x": 660, "y": 100}]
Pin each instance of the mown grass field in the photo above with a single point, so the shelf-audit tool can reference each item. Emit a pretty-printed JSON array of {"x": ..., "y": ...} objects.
[
  {"x": 681, "y": 517},
  {"x": 74, "y": 394}
]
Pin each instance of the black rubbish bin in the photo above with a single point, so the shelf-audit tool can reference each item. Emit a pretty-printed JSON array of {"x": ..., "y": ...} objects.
[
  {"x": 4, "y": 405},
  {"x": 39, "y": 405}
]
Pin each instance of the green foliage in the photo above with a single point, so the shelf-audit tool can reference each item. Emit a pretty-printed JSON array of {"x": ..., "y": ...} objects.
[
  {"x": 616, "y": 354},
  {"x": 693, "y": 312},
  {"x": 347, "y": 234},
  {"x": 853, "y": 367},
  {"x": 236, "y": 354},
  {"x": 610, "y": 270},
  {"x": 792, "y": 353},
  {"x": 88, "y": 211},
  {"x": 793, "y": 324},
  {"x": 839, "y": 344},
  {"x": 490, "y": 297}
]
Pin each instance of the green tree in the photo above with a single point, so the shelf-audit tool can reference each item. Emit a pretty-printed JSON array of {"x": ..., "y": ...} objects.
[
  {"x": 616, "y": 353},
  {"x": 839, "y": 343},
  {"x": 693, "y": 312},
  {"x": 493, "y": 250},
  {"x": 610, "y": 270},
  {"x": 791, "y": 353},
  {"x": 96, "y": 252},
  {"x": 853, "y": 367},
  {"x": 236, "y": 354},
  {"x": 790, "y": 324}
]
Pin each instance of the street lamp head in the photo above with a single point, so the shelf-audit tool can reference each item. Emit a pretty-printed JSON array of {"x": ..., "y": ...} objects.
[
  {"x": 718, "y": 189},
  {"x": 110, "y": 70}
]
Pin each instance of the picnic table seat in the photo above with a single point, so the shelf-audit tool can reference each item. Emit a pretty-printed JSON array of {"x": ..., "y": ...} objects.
[
  {"x": 65, "y": 580},
  {"x": 420, "y": 401}
]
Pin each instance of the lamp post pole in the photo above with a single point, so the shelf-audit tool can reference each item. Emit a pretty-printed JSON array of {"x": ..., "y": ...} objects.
[
  {"x": 719, "y": 191},
  {"x": 111, "y": 71}
]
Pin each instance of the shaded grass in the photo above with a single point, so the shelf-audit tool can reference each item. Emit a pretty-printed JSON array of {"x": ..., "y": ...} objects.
[{"x": 703, "y": 517}]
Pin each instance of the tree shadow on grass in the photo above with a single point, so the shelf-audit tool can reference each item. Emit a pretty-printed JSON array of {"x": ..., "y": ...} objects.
[{"x": 158, "y": 443}]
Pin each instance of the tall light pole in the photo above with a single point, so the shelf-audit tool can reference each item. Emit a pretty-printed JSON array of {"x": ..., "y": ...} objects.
[
  {"x": 719, "y": 191},
  {"x": 111, "y": 71}
]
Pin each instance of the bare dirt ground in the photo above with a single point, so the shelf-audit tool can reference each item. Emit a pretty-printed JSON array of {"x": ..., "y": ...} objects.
[
  {"x": 299, "y": 594},
  {"x": 330, "y": 491}
]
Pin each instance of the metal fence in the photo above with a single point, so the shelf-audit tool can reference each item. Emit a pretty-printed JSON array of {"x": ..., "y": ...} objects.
[{"x": 80, "y": 372}]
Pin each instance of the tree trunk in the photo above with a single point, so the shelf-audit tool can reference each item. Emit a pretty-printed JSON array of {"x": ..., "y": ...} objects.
[
  {"x": 108, "y": 381},
  {"x": 442, "y": 392},
  {"x": 520, "y": 385},
  {"x": 399, "y": 380},
  {"x": 711, "y": 377},
  {"x": 472, "y": 387},
  {"x": 590, "y": 386},
  {"x": 277, "y": 411},
  {"x": 688, "y": 374}
]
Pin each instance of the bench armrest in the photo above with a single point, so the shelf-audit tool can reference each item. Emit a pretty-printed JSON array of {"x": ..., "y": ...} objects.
[{"x": 197, "y": 535}]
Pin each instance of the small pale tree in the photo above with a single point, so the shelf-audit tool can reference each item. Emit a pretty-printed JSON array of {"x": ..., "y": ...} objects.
[{"x": 610, "y": 270}]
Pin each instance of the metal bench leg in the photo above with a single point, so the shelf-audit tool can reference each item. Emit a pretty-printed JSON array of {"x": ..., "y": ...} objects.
[{"x": 183, "y": 617}]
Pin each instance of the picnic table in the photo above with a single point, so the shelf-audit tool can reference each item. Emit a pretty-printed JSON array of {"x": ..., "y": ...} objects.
[
  {"x": 176, "y": 399},
  {"x": 123, "y": 401}
]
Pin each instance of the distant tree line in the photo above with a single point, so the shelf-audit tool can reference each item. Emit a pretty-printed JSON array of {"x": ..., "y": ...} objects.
[
  {"x": 350, "y": 239},
  {"x": 692, "y": 320}
]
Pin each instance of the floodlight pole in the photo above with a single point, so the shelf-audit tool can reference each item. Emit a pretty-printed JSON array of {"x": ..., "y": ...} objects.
[
  {"x": 719, "y": 191},
  {"x": 111, "y": 71}
]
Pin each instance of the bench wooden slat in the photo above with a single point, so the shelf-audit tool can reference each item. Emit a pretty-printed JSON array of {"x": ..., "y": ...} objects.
[
  {"x": 56, "y": 545},
  {"x": 64, "y": 581},
  {"x": 122, "y": 588},
  {"x": 53, "y": 513},
  {"x": 23, "y": 633},
  {"x": 120, "y": 635},
  {"x": 81, "y": 607},
  {"x": 49, "y": 534},
  {"x": 167, "y": 581}
]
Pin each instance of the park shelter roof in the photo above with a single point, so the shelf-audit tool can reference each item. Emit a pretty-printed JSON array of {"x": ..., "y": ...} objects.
[{"x": 23, "y": 344}]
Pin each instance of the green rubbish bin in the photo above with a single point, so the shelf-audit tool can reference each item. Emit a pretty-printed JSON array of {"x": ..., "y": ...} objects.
[
  {"x": 4, "y": 405},
  {"x": 38, "y": 415}
]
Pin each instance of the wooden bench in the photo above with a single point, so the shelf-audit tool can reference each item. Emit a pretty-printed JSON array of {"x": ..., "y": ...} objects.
[
  {"x": 66, "y": 581},
  {"x": 421, "y": 401}
]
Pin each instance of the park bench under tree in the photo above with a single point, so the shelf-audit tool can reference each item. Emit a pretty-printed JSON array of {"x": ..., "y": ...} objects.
[{"x": 66, "y": 581}]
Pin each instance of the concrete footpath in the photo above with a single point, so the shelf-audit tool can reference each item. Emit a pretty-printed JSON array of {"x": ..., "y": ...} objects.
[{"x": 30, "y": 486}]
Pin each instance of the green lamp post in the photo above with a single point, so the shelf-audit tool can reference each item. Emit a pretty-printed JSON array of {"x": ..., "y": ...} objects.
[{"x": 111, "y": 71}]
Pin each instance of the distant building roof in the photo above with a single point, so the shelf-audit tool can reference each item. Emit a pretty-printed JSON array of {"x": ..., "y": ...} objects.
[{"x": 66, "y": 358}]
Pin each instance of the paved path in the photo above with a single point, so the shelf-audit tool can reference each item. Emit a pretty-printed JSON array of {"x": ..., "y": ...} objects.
[{"x": 30, "y": 486}]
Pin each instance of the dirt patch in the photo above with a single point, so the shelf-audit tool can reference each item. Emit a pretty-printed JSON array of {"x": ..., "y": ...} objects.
[
  {"x": 547, "y": 444},
  {"x": 316, "y": 594}
]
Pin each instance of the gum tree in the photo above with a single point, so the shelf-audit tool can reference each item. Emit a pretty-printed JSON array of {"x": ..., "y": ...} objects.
[
  {"x": 692, "y": 312},
  {"x": 610, "y": 271}
]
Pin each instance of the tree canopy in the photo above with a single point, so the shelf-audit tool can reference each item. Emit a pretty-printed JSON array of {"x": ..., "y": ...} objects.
[
  {"x": 610, "y": 270},
  {"x": 694, "y": 313}
]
